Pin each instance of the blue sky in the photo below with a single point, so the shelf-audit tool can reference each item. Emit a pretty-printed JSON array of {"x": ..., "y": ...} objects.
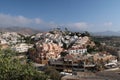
[{"x": 77, "y": 15}]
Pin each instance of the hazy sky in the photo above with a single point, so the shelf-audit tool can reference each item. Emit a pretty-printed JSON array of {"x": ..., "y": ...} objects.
[{"x": 91, "y": 15}]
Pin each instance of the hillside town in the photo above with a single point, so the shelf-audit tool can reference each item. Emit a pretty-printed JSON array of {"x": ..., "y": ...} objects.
[{"x": 68, "y": 52}]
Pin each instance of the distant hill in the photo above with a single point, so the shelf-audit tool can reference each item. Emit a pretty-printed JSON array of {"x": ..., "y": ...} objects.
[
  {"x": 106, "y": 33},
  {"x": 22, "y": 30},
  {"x": 28, "y": 30}
]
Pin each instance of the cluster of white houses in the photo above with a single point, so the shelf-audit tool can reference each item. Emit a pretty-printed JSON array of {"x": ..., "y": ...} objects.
[
  {"x": 14, "y": 41},
  {"x": 50, "y": 46},
  {"x": 22, "y": 47},
  {"x": 77, "y": 51}
]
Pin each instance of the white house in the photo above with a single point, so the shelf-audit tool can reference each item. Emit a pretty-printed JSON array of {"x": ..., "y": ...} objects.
[
  {"x": 3, "y": 41},
  {"x": 77, "y": 50},
  {"x": 22, "y": 47}
]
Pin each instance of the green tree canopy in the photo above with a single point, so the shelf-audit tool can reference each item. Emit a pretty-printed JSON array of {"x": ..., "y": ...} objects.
[
  {"x": 54, "y": 74},
  {"x": 12, "y": 68}
]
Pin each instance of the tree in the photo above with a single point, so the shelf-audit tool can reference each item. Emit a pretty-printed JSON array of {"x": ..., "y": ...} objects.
[
  {"x": 63, "y": 54},
  {"x": 86, "y": 33},
  {"x": 11, "y": 68},
  {"x": 90, "y": 49},
  {"x": 54, "y": 74}
]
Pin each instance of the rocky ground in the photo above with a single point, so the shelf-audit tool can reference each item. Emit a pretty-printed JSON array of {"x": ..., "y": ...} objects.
[{"x": 109, "y": 75}]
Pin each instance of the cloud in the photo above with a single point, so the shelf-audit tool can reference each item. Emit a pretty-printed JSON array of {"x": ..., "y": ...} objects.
[
  {"x": 8, "y": 20},
  {"x": 52, "y": 24},
  {"x": 108, "y": 24},
  {"x": 78, "y": 26},
  {"x": 38, "y": 21},
  {"x": 72, "y": 26}
]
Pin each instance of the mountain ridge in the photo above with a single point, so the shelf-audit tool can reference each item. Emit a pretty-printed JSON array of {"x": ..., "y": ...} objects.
[
  {"x": 21, "y": 30},
  {"x": 30, "y": 31},
  {"x": 106, "y": 33}
]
